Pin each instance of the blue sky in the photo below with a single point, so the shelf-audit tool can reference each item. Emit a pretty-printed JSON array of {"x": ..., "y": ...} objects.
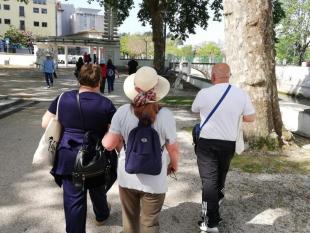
[{"x": 215, "y": 31}]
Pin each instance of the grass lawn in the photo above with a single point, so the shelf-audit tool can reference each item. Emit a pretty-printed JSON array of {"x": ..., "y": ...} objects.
[
  {"x": 178, "y": 100},
  {"x": 259, "y": 161},
  {"x": 269, "y": 164}
]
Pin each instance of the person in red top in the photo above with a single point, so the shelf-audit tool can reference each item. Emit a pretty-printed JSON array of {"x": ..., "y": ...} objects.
[{"x": 103, "y": 68}]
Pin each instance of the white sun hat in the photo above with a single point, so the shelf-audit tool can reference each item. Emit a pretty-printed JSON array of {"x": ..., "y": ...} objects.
[{"x": 145, "y": 79}]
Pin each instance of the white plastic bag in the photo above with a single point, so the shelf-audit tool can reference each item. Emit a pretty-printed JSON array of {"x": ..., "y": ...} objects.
[
  {"x": 239, "y": 141},
  {"x": 45, "y": 153}
]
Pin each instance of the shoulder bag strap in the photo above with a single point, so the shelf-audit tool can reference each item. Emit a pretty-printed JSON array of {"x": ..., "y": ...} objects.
[
  {"x": 80, "y": 110},
  {"x": 216, "y": 106},
  {"x": 57, "y": 109}
]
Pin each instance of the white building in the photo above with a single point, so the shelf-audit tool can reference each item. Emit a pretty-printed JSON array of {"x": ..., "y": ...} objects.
[
  {"x": 38, "y": 16},
  {"x": 71, "y": 21}
]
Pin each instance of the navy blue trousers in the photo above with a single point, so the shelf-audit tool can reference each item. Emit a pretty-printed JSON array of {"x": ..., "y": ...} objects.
[
  {"x": 49, "y": 79},
  {"x": 110, "y": 81},
  {"x": 75, "y": 206},
  {"x": 213, "y": 159}
]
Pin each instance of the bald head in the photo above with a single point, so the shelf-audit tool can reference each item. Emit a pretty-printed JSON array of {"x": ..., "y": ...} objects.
[{"x": 220, "y": 73}]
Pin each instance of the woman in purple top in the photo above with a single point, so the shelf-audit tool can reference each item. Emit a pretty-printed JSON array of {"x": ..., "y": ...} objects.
[{"x": 97, "y": 113}]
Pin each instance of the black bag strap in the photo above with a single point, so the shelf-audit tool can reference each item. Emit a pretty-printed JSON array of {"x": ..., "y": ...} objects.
[
  {"x": 80, "y": 110},
  {"x": 216, "y": 106}
]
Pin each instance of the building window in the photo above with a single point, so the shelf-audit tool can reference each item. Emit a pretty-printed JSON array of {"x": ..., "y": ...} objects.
[
  {"x": 43, "y": 2},
  {"x": 7, "y": 21},
  {"x": 22, "y": 25},
  {"x": 6, "y": 7},
  {"x": 0, "y": 21},
  {"x": 21, "y": 11},
  {"x": 36, "y": 10},
  {"x": 44, "y": 24},
  {"x": 44, "y": 11},
  {"x": 36, "y": 24}
]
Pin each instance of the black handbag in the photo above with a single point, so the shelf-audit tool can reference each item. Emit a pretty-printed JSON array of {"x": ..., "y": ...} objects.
[{"x": 94, "y": 165}]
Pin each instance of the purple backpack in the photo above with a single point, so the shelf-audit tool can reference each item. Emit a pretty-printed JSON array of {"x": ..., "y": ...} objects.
[{"x": 143, "y": 151}]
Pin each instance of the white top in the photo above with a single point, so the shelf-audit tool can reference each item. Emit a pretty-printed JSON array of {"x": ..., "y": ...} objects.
[
  {"x": 122, "y": 123},
  {"x": 223, "y": 124}
]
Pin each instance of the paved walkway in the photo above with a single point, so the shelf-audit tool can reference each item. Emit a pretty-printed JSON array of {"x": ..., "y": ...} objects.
[{"x": 31, "y": 202}]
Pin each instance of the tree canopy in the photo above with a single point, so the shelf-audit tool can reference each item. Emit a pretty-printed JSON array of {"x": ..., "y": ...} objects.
[
  {"x": 136, "y": 45},
  {"x": 294, "y": 31},
  {"x": 18, "y": 37}
]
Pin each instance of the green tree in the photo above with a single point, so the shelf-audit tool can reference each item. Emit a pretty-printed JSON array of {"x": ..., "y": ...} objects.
[
  {"x": 181, "y": 17},
  {"x": 209, "y": 49},
  {"x": 124, "y": 44},
  {"x": 294, "y": 31},
  {"x": 18, "y": 37},
  {"x": 136, "y": 45}
]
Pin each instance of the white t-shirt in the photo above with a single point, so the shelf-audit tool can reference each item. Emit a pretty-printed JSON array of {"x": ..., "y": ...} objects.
[
  {"x": 223, "y": 124},
  {"x": 123, "y": 121}
]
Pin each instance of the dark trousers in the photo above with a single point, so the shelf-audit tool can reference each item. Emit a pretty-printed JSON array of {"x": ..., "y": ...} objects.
[
  {"x": 49, "y": 79},
  {"x": 75, "y": 205},
  {"x": 102, "y": 85},
  {"x": 110, "y": 83},
  {"x": 213, "y": 159}
]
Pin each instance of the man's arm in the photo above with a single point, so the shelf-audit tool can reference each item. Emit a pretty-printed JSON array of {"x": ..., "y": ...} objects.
[
  {"x": 195, "y": 105},
  {"x": 249, "y": 118}
]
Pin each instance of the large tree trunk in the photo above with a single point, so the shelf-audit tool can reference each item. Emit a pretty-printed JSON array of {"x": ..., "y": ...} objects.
[
  {"x": 157, "y": 22},
  {"x": 249, "y": 50}
]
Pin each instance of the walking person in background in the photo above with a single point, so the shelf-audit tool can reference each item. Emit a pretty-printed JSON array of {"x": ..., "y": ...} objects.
[
  {"x": 142, "y": 194},
  {"x": 111, "y": 72},
  {"x": 132, "y": 66},
  {"x": 48, "y": 69},
  {"x": 86, "y": 58},
  {"x": 103, "y": 69},
  {"x": 216, "y": 145},
  {"x": 95, "y": 115},
  {"x": 78, "y": 66}
]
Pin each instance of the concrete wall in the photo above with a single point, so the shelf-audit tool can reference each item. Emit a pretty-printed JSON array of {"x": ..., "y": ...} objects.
[
  {"x": 294, "y": 80},
  {"x": 17, "y": 60}
]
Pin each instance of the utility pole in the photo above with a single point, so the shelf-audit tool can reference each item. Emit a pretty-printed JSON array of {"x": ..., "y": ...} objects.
[{"x": 145, "y": 40}]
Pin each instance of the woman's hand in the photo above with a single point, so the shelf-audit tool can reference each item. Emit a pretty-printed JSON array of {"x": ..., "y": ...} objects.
[
  {"x": 173, "y": 151},
  {"x": 112, "y": 141},
  {"x": 171, "y": 169}
]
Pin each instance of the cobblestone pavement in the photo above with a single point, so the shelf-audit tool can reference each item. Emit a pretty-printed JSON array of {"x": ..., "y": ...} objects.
[{"x": 31, "y": 202}]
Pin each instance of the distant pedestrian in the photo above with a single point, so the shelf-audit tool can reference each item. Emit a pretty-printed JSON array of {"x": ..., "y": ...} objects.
[
  {"x": 86, "y": 58},
  {"x": 216, "y": 145},
  {"x": 103, "y": 68},
  {"x": 132, "y": 66},
  {"x": 95, "y": 115},
  {"x": 78, "y": 66},
  {"x": 48, "y": 69},
  {"x": 147, "y": 134},
  {"x": 111, "y": 72},
  {"x": 95, "y": 59}
]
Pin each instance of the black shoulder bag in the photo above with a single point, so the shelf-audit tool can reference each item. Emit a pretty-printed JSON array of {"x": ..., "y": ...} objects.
[{"x": 94, "y": 166}]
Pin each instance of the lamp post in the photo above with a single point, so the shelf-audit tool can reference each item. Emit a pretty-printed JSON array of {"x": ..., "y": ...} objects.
[
  {"x": 164, "y": 15},
  {"x": 145, "y": 40}
]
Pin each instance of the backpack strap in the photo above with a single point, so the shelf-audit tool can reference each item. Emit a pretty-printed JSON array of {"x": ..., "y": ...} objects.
[{"x": 216, "y": 106}]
